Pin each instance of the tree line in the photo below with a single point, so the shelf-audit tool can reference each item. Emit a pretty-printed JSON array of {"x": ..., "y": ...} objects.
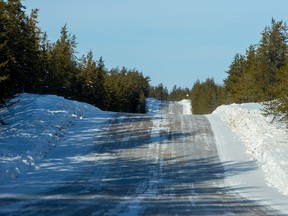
[
  {"x": 30, "y": 63},
  {"x": 259, "y": 75},
  {"x": 176, "y": 94},
  {"x": 206, "y": 96}
]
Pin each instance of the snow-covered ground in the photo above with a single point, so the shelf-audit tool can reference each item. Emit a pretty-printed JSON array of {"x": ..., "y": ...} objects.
[
  {"x": 33, "y": 126},
  {"x": 153, "y": 105},
  {"x": 187, "y": 108},
  {"x": 266, "y": 140},
  {"x": 31, "y": 130},
  {"x": 244, "y": 134}
]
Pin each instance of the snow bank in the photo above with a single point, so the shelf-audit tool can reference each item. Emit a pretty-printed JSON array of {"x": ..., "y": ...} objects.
[
  {"x": 187, "y": 108},
  {"x": 153, "y": 105},
  {"x": 33, "y": 126},
  {"x": 266, "y": 141}
]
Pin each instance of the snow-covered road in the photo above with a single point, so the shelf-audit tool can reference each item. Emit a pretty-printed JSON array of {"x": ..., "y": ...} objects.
[
  {"x": 243, "y": 134},
  {"x": 162, "y": 163}
]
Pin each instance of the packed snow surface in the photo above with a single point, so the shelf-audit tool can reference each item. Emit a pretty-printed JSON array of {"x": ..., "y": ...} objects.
[
  {"x": 153, "y": 105},
  {"x": 31, "y": 127},
  {"x": 266, "y": 140},
  {"x": 187, "y": 108}
]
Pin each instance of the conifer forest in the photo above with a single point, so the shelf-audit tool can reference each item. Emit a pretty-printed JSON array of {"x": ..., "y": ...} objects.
[{"x": 31, "y": 63}]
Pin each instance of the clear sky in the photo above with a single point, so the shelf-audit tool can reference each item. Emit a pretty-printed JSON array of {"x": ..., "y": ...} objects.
[{"x": 171, "y": 41}]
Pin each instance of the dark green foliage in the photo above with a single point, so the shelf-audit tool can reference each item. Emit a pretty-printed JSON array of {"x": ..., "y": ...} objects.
[
  {"x": 206, "y": 96},
  {"x": 126, "y": 91},
  {"x": 272, "y": 54},
  {"x": 19, "y": 40},
  {"x": 178, "y": 93},
  {"x": 4, "y": 55},
  {"x": 236, "y": 70},
  {"x": 261, "y": 75},
  {"x": 240, "y": 84},
  {"x": 158, "y": 92},
  {"x": 252, "y": 78},
  {"x": 279, "y": 106},
  {"x": 89, "y": 85},
  {"x": 63, "y": 66},
  {"x": 30, "y": 63}
]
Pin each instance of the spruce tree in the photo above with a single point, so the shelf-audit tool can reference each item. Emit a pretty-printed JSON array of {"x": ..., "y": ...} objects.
[
  {"x": 5, "y": 57},
  {"x": 206, "y": 96},
  {"x": 158, "y": 92},
  {"x": 19, "y": 49},
  {"x": 90, "y": 82},
  {"x": 45, "y": 77},
  {"x": 63, "y": 65},
  {"x": 31, "y": 69},
  {"x": 235, "y": 73},
  {"x": 272, "y": 54},
  {"x": 247, "y": 89}
]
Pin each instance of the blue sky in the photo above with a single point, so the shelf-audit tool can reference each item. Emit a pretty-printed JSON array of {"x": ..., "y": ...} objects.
[{"x": 171, "y": 41}]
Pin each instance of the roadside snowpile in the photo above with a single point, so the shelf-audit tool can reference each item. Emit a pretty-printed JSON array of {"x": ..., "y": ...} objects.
[
  {"x": 266, "y": 141},
  {"x": 187, "y": 108},
  {"x": 153, "y": 105},
  {"x": 31, "y": 127}
]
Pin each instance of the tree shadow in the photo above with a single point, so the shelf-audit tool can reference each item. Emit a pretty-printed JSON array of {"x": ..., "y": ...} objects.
[
  {"x": 135, "y": 186},
  {"x": 122, "y": 173}
]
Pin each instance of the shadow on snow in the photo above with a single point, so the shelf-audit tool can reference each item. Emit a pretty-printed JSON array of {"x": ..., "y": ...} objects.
[{"x": 104, "y": 184}]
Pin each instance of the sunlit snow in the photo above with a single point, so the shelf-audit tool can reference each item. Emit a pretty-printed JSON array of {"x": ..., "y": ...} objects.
[{"x": 36, "y": 124}]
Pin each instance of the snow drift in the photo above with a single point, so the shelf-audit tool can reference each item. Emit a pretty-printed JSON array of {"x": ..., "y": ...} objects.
[
  {"x": 153, "y": 105},
  {"x": 266, "y": 140},
  {"x": 34, "y": 124}
]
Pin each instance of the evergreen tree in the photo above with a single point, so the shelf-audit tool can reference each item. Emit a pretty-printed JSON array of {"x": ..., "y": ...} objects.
[
  {"x": 272, "y": 54},
  {"x": 15, "y": 22},
  {"x": 139, "y": 87},
  {"x": 178, "y": 93},
  {"x": 126, "y": 90},
  {"x": 45, "y": 78},
  {"x": 279, "y": 106},
  {"x": 5, "y": 56},
  {"x": 63, "y": 65},
  {"x": 90, "y": 82},
  {"x": 101, "y": 75},
  {"x": 158, "y": 92},
  {"x": 31, "y": 68},
  {"x": 110, "y": 84},
  {"x": 247, "y": 88},
  {"x": 19, "y": 49},
  {"x": 30, "y": 63},
  {"x": 261, "y": 75},
  {"x": 206, "y": 96},
  {"x": 235, "y": 72}
]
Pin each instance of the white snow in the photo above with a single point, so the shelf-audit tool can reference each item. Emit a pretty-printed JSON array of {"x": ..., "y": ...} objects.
[
  {"x": 153, "y": 105},
  {"x": 34, "y": 125},
  {"x": 59, "y": 139},
  {"x": 244, "y": 134},
  {"x": 187, "y": 108}
]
